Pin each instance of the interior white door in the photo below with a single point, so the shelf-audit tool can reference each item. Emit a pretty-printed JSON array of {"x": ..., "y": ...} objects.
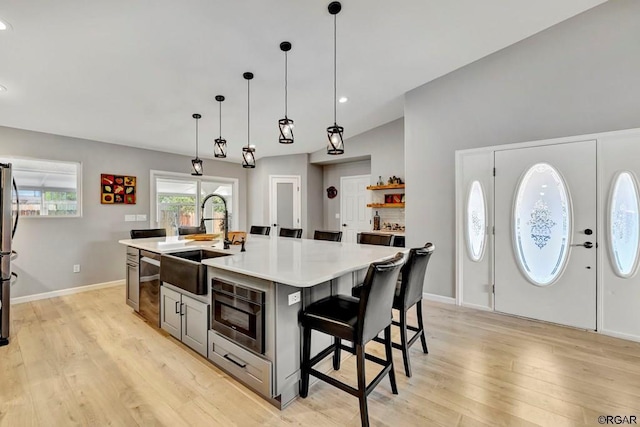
[
  {"x": 285, "y": 205},
  {"x": 355, "y": 216},
  {"x": 545, "y": 235}
]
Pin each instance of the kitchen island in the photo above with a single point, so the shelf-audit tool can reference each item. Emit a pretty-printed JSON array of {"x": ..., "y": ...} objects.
[{"x": 250, "y": 313}]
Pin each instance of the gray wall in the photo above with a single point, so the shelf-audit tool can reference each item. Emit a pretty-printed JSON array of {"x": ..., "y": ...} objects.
[
  {"x": 295, "y": 164},
  {"x": 580, "y": 76},
  {"x": 49, "y": 247},
  {"x": 379, "y": 152}
]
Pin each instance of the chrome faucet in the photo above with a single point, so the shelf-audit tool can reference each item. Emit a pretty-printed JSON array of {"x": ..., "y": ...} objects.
[{"x": 226, "y": 241}]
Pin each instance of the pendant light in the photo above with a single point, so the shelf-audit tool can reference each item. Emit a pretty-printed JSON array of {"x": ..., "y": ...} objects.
[
  {"x": 197, "y": 162},
  {"x": 286, "y": 124},
  {"x": 220, "y": 144},
  {"x": 335, "y": 145},
  {"x": 248, "y": 152}
]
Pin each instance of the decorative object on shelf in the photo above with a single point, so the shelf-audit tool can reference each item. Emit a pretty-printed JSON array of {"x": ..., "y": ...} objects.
[
  {"x": 335, "y": 145},
  {"x": 197, "y": 162},
  {"x": 380, "y": 182},
  {"x": 393, "y": 198},
  {"x": 394, "y": 180},
  {"x": 376, "y": 221},
  {"x": 332, "y": 192},
  {"x": 220, "y": 144},
  {"x": 286, "y": 124},
  {"x": 117, "y": 189},
  {"x": 398, "y": 180},
  {"x": 248, "y": 152}
]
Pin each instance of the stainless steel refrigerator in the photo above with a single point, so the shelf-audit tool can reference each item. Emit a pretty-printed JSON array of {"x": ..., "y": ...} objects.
[{"x": 10, "y": 211}]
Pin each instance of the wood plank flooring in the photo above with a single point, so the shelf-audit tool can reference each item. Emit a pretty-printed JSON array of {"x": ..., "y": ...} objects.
[{"x": 86, "y": 359}]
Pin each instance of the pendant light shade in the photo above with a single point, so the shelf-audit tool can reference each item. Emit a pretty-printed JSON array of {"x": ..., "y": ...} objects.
[
  {"x": 286, "y": 124},
  {"x": 335, "y": 144},
  {"x": 197, "y": 162},
  {"x": 220, "y": 144},
  {"x": 248, "y": 152}
]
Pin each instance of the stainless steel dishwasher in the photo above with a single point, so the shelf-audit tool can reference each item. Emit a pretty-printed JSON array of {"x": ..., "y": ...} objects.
[{"x": 150, "y": 287}]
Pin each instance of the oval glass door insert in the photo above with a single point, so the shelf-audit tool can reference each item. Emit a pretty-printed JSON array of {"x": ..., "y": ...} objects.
[
  {"x": 624, "y": 224},
  {"x": 476, "y": 221},
  {"x": 542, "y": 224}
]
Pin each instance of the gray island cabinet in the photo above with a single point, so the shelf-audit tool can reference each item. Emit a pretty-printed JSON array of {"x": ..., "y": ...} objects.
[{"x": 271, "y": 283}]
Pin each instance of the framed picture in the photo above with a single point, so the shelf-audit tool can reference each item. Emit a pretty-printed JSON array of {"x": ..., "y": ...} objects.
[{"x": 117, "y": 189}]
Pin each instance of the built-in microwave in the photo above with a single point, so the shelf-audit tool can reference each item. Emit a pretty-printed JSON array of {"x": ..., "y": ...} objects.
[{"x": 237, "y": 313}]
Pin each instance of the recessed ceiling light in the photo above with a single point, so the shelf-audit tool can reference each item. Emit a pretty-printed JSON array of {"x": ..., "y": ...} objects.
[
  {"x": 4, "y": 25},
  {"x": 343, "y": 99},
  {"x": 3, "y": 89}
]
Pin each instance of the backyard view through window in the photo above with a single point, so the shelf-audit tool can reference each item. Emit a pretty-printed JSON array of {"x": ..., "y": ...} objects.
[
  {"x": 179, "y": 200},
  {"x": 47, "y": 188}
]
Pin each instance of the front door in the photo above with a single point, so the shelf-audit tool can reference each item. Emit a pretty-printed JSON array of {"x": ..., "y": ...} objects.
[
  {"x": 545, "y": 233},
  {"x": 355, "y": 216}
]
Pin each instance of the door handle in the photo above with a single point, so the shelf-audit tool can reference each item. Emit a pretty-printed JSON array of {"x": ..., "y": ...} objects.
[
  {"x": 242, "y": 365},
  {"x": 587, "y": 245}
]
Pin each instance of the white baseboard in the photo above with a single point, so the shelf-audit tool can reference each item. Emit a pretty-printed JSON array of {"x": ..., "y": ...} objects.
[
  {"x": 439, "y": 298},
  {"x": 69, "y": 291},
  {"x": 476, "y": 306},
  {"x": 620, "y": 335}
]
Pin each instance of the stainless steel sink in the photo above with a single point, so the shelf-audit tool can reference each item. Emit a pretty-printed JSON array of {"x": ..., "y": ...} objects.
[{"x": 185, "y": 269}]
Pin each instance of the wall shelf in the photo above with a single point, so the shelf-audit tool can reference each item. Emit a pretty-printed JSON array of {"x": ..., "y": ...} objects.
[
  {"x": 385, "y": 205},
  {"x": 385, "y": 187}
]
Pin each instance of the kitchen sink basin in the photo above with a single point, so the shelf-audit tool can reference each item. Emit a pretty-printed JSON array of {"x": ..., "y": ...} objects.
[{"x": 185, "y": 269}]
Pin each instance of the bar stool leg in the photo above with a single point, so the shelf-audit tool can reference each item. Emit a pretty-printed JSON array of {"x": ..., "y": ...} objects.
[
  {"x": 389, "y": 353},
  {"x": 403, "y": 340},
  {"x": 306, "y": 358},
  {"x": 336, "y": 353},
  {"x": 362, "y": 385},
  {"x": 423, "y": 334}
]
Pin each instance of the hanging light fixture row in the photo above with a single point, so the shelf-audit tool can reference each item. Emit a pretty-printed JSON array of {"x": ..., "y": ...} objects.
[{"x": 335, "y": 145}]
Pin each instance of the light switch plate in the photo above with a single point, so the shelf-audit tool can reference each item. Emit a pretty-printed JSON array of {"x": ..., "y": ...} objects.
[
  {"x": 129, "y": 218},
  {"x": 141, "y": 217},
  {"x": 337, "y": 216}
]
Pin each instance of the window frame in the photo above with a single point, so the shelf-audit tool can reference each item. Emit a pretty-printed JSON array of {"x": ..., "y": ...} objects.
[
  {"x": 79, "y": 186},
  {"x": 153, "y": 193}
]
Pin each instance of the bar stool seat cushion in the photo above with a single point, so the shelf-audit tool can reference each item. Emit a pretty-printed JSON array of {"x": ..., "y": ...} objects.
[{"x": 336, "y": 315}]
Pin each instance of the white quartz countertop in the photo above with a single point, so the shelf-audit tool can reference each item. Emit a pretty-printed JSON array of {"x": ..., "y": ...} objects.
[
  {"x": 164, "y": 245},
  {"x": 294, "y": 262}
]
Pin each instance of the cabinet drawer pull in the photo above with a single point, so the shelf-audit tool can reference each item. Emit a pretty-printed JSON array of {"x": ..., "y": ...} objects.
[
  {"x": 181, "y": 312},
  {"x": 242, "y": 365},
  {"x": 177, "y": 307}
]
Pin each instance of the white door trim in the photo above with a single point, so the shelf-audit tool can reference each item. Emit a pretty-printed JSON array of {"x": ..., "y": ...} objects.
[{"x": 295, "y": 180}]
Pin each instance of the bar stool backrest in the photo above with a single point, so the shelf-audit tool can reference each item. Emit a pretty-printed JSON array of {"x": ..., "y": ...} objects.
[
  {"x": 290, "y": 232},
  {"x": 332, "y": 236},
  {"x": 375, "y": 239},
  {"x": 186, "y": 230},
  {"x": 376, "y": 298},
  {"x": 413, "y": 274},
  {"x": 148, "y": 232},
  {"x": 260, "y": 229}
]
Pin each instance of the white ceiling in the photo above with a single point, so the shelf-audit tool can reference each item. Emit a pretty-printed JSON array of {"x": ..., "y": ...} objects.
[{"x": 133, "y": 72}]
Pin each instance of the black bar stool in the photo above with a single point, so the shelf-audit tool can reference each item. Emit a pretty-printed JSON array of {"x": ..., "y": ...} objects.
[
  {"x": 260, "y": 229},
  {"x": 356, "y": 320},
  {"x": 290, "y": 232},
  {"x": 409, "y": 293},
  {"x": 148, "y": 232},
  {"x": 332, "y": 236},
  {"x": 186, "y": 230},
  {"x": 375, "y": 239}
]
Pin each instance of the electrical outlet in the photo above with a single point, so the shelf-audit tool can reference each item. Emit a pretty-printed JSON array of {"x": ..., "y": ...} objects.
[
  {"x": 141, "y": 217},
  {"x": 129, "y": 218},
  {"x": 294, "y": 298},
  {"x": 76, "y": 268},
  {"x": 337, "y": 216}
]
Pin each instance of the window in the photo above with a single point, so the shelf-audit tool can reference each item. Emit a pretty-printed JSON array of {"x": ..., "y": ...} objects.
[
  {"x": 47, "y": 188},
  {"x": 624, "y": 233},
  {"x": 542, "y": 222},
  {"x": 177, "y": 199},
  {"x": 476, "y": 221}
]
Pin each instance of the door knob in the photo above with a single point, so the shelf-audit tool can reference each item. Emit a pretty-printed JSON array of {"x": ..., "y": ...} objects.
[
  {"x": 588, "y": 232},
  {"x": 275, "y": 225},
  {"x": 344, "y": 225},
  {"x": 587, "y": 245}
]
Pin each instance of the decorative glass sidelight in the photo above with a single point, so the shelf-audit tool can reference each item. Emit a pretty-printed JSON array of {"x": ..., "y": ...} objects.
[
  {"x": 624, "y": 224},
  {"x": 542, "y": 224},
  {"x": 476, "y": 221}
]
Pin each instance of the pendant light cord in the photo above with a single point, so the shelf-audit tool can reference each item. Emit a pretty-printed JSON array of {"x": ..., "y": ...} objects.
[
  {"x": 335, "y": 56},
  {"x": 196, "y": 138},
  {"x": 220, "y": 127},
  {"x": 286, "y": 79},
  {"x": 248, "y": 111}
]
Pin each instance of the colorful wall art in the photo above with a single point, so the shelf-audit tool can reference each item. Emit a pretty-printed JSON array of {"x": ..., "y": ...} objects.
[{"x": 117, "y": 189}]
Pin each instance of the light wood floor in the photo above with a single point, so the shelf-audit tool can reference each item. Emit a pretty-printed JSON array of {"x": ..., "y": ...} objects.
[{"x": 85, "y": 359}]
